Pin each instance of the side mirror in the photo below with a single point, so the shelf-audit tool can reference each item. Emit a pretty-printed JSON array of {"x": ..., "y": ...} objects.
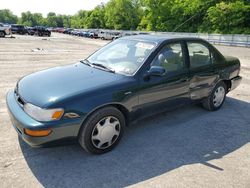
[{"x": 156, "y": 71}]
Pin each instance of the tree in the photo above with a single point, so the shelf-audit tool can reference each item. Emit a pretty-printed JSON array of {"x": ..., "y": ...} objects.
[
  {"x": 121, "y": 14},
  {"x": 51, "y": 19},
  {"x": 78, "y": 20},
  {"x": 96, "y": 18},
  {"x": 230, "y": 17},
  {"x": 66, "y": 21},
  {"x": 29, "y": 19},
  {"x": 227, "y": 16},
  {"x": 6, "y": 16}
]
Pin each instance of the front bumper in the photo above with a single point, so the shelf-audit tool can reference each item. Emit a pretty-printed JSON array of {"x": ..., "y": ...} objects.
[
  {"x": 61, "y": 130},
  {"x": 235, "y": 82}
]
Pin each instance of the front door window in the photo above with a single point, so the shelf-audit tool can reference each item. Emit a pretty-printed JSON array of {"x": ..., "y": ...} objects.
[{"x": 170, "y": 58}]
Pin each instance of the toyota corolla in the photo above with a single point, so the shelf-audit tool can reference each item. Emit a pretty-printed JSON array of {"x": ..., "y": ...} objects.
[{"x": 132, "y": 77}]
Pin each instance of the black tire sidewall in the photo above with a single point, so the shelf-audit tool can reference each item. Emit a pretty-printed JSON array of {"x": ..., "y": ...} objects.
[
  {"x": 214, "y": 108},
  {"x": 85, "y": 133},
  {"x": 2, "y": 34}
]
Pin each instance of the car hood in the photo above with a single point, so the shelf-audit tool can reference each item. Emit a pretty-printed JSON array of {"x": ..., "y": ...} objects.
[{"x": 51, "y": 85}]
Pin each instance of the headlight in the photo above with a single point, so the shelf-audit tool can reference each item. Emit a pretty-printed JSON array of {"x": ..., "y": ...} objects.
[{"x": 41, "y": 114}]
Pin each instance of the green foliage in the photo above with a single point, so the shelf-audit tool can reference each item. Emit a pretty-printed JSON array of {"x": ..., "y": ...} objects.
[
  {"x": 6, "y": 16},
  {"x": 122, "y": 14},
  {"x": 29, "y": 19},
  {"x": 228, "y": 16},
  {"x": 96, "y": 18},
  {"x": 78, "y": 20},
  {"x": 231, "y": 17}
]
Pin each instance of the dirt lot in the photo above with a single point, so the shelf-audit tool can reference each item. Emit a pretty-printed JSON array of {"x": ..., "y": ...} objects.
[{"x": 189, "y": 147}]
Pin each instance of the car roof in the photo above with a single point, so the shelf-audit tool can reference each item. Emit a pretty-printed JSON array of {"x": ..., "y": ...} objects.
[{"x": 158, "y": 38}]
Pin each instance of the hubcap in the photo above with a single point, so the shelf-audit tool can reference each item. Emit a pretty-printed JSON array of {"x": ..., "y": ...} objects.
[
  {"x": 219, "y": 95},
  {"x": 106, "y": 132}
]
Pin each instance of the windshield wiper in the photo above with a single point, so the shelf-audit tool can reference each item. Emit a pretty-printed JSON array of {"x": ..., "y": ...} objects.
[
  {"x": 103, "y": 67},
  {"x": 86, "y": 62}
]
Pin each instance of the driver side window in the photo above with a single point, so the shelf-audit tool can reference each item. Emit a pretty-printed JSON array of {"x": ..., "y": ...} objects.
[{"x": 170, "y": 58}]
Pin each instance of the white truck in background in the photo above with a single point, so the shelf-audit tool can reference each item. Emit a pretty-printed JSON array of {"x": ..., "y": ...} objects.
[
  {"x": 107, "y": 35},
  {"x": 4, "y": 30}
]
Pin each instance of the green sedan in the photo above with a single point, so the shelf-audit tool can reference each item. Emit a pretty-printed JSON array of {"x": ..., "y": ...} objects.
[{"x": 130, "y": 78}]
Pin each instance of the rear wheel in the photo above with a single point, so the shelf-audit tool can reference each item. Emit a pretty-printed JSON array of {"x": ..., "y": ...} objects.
[
  {"x": 102, "y": 130},
  {"x": 217, "y": 97}
]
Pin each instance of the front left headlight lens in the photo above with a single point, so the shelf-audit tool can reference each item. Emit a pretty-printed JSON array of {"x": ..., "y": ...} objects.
[{"x": 41, "y": 114}]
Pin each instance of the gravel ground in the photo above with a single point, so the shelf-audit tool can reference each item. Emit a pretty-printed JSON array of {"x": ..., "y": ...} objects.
[{"x": 189, "y": 147}]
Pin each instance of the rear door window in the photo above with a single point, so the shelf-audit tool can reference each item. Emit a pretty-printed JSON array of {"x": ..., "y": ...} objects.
[{"x": 199, "y": 54}]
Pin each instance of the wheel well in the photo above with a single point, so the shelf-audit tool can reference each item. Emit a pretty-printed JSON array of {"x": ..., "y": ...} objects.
[
  {"x": 120, "y": 107},
  {"x": 228, "y": 84},
  {"x": 124, "y": 111}
]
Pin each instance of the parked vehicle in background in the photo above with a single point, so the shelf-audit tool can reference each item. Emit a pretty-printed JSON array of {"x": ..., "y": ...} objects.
[
  {"x": 60, "y": 30},
  {"x": 83, "y": 34},
  {"x": 143, "y": 33},
  {"x": 54, "y": 29},
  {"x": 93, "y": 34},
  {"x": 67, "y": 31},
  {"x": 50, "y": 29},
  {"x": 41, "y": 31},
  {"x": 107, "y": 35},
  {"x": 18, "y": 29},
  {"x": 4, "y": 30},
  {"x": 125, "y": 34},
  {"x": 75, "y": 32},
  {"x": 30, "y": 30}
]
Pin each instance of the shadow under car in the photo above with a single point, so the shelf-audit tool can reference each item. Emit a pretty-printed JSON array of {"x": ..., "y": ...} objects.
[{"x": 151, "y": 147}]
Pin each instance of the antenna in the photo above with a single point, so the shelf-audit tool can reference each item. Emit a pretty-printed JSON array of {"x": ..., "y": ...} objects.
[{"x": 185, "y": 22}]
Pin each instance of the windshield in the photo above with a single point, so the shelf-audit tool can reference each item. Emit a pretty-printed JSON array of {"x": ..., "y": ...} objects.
[{"x": 123, "y": 56}]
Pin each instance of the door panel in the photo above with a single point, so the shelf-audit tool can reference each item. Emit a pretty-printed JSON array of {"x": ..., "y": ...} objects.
[
  {"x": 203, "y": 70},
  {"x": 202, "y": 82},
  {"x": 159, "y": 93}
]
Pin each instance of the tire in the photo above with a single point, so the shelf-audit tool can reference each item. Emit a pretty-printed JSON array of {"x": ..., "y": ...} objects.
[
  {"x": 102, "y": 131},
  {"x": 2, "y": 34},
  {"x": 216, "y": 98}
]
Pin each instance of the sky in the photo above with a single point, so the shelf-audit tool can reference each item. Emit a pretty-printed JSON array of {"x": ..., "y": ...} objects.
[{"x": 69, "y": 7}]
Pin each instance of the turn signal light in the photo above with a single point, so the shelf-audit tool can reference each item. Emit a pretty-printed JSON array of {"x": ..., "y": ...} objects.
[
  {"x": 57, "y": 115},
  {"x": 37, "y": 132}
]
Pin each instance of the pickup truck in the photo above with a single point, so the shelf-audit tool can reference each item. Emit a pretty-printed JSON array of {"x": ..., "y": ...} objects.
[{"x": 4, "y": 30}]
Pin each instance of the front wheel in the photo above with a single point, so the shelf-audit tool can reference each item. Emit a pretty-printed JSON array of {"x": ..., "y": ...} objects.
[
  {"x": 102, "y": 130},
  {"x": 2, "y": 34},
  {"x": 216, "y": 98}
]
